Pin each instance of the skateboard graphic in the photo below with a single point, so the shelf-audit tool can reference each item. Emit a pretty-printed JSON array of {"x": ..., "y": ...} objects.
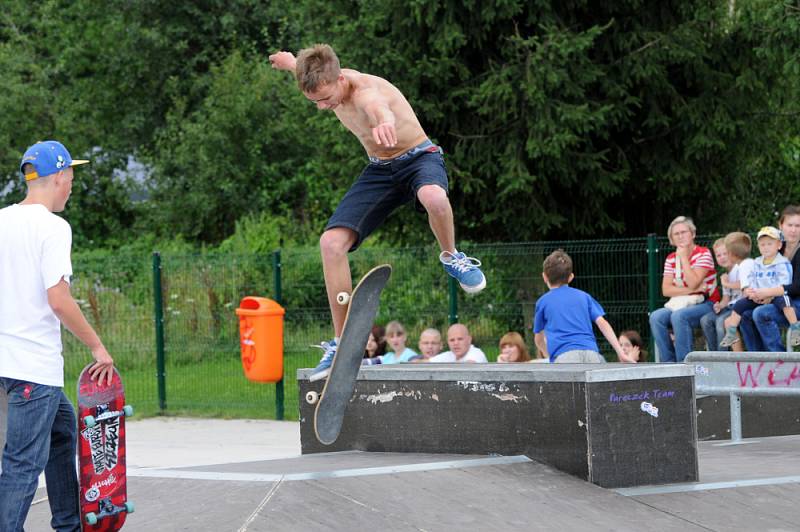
[
  {"x": 361, "y": 312},
  {"x": 101, "y": 453}
]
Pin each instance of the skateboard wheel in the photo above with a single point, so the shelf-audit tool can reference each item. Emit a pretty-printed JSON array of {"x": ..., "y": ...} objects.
[
  {"x": 128, "y": 409},
  {"x": 130, "y": 507},
  {"x": 91, "y": 518},
  {"x": 89, "y": 421},
  {"x": 312, "y": 397},
  {"x": 342, "y": 298}
]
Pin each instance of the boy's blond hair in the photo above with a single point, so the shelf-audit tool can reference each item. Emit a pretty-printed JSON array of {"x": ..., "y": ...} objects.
[
  {"x": 738, "y": 244},
  {"x": 718, "y": 243},
  {"x": 557, "y": 267},
  {"x": 316, "y": 66},
  {"x": 394, "y": 327}
]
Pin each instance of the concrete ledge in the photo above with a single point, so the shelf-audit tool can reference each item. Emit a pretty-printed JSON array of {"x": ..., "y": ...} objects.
[
  {"x": 518, "y": 372},
  {"x": 613, "y": 425}
]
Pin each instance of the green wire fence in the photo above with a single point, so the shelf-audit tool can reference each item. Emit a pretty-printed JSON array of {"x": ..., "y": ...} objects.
[{"x": 169, "y": 321}]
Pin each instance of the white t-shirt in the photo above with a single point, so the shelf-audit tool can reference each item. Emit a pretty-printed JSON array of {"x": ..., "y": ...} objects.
[
  {"x": 740, "y": 273},
  {"x": 473, "y": 355},
  {"x": 34, "y": 256}
]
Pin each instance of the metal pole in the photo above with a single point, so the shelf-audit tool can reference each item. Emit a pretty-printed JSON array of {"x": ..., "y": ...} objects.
[
  {"x": 453, "y": 296},
  {"x": 653, "y": 283},
  {"x": 159, "y": 323},
  {"x": 276, "y": 272},
  {"x": 736, "y": 417}
]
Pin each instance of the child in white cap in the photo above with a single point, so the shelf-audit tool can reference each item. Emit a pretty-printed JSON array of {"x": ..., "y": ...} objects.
[{"x": 770, "y": 270}]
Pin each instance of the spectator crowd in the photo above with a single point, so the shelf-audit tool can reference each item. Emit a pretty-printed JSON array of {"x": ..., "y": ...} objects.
[{"x": 732, "y": 300}]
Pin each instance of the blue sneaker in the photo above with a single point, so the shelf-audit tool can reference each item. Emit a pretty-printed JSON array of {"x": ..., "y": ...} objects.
[
  {"x": 465, "y": 269},
  {"x": 324, "y": 366}
]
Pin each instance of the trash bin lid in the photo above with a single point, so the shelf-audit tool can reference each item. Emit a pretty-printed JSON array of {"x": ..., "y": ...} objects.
[{"x": 259, "y": 306}]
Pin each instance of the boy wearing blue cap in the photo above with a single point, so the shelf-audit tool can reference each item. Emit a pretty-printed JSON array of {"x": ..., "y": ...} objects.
[
  {"x": 35, "y": 271},
  {"x": 770, "y": 270}
]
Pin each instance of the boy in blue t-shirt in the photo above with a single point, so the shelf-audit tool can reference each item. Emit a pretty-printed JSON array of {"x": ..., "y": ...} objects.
[{"x": 564, "y": 316}]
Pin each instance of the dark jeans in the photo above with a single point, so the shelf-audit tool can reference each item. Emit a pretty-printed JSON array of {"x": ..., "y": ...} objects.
[
  {"x": 41, "y": 436},
  {"x": 761, "y": 328},
  {"x": 681, "y": 322}
]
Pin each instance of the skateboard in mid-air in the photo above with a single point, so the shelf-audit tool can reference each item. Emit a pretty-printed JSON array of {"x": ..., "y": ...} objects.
[
  {"x": 361, "y": 312},
  {"x": 101, "y": 453}
]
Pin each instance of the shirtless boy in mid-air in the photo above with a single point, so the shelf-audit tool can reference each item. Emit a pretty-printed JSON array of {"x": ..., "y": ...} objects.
[{"x": 404, "y": 165}]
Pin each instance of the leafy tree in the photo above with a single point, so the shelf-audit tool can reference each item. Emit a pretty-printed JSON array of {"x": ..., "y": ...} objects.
[{"x": 567, "y": 119}]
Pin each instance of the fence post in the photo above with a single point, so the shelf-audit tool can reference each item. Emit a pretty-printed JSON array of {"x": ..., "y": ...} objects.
[
  {"x": 159, "y": 323},
  {"x": 453, "y": 297},
  {"x": 276, "y": 273},
  {"x": 653, "y": 283}
]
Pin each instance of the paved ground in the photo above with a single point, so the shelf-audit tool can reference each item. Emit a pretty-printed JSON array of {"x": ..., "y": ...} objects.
[{"x": 248, "y": 475}]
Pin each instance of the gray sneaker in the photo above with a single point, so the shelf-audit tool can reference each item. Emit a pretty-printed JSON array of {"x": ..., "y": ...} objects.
[
  {"x": 794, "y": 334},
  {"x": 730, "y": 338}
]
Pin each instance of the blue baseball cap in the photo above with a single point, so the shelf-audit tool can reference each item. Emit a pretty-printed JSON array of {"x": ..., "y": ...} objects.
[{"x": 47, "y": 157}]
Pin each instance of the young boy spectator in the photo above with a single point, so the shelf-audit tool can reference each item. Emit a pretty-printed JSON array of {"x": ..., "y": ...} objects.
[
  {"x": 771, "y": 269},
  {"x": 564, "y": 316},
  {"x": 740, "y": 265},
  {"x": 35, "y": 300},
  {"x": 396, "y": 338},
  {"x": 713, "y": 322}
]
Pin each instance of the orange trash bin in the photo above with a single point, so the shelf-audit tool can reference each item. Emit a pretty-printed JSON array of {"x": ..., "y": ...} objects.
[{"x": 261, "y": 338}]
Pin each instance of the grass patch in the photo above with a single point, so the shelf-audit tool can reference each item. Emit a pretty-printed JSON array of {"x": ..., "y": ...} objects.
[{"x": 214, "y": 388}]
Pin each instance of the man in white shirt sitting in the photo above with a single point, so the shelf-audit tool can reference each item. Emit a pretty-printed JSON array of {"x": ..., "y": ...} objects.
[{"x": 461, "y": 348}]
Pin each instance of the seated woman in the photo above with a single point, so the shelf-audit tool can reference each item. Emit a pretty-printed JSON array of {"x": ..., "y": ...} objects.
[
  {"x": 632, "y": 346},
  {"x": 690, "y": 283},
  {"x": 513, "y": 348}
]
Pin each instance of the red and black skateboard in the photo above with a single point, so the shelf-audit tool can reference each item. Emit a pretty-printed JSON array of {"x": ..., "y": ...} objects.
[{"x": 101, "y": 453}]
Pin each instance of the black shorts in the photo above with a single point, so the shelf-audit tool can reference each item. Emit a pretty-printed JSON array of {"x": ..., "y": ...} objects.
[{"x": 385, "y": 185}]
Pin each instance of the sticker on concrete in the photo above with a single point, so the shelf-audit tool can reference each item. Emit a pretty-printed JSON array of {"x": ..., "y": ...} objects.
[
  {"x": 649, "y": 408},
  {"x": 701, "y": 370}
]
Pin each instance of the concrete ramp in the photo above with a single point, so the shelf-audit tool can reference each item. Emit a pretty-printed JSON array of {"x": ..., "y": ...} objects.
[
  {"x": 754, "y": 486},
  {"x": 379, "y": 491}
]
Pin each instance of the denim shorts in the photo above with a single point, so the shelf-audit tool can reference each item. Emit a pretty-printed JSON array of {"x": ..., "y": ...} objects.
[{"x": 385, "y": 185}]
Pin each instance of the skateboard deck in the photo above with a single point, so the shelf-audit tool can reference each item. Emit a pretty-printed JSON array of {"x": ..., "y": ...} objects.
[
  {"x": 101, "y": 453},
  {"x": 341, "y": 381}
]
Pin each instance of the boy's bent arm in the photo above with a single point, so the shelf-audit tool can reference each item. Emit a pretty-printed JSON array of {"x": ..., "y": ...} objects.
[
  {"x": 541, "y": 342},
  {"x": 381, "y": 118},
  {"x": 769, "y": 293},
  {"x": 66, "y": 309},
  {"x": 608, "y": 332}
]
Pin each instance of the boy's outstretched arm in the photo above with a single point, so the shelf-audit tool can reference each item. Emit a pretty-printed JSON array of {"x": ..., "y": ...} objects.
[
  {"x": 541, "y": 342},
  {"x": 608, "y": 332},
  {"x": 283, "y": 61}
]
